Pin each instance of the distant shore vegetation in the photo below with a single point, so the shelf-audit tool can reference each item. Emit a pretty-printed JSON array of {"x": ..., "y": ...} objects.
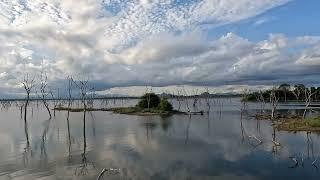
[{"x": 286, "y": 92}]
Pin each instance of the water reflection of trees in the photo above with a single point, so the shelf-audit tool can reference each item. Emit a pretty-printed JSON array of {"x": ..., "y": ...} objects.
[
  {"x": 43, "y": 149},
  {"x": 187, "y": 130},
  {"x": 150, "y": 125},
  {"x": 252, "y": 139},
  {"x": 83, "y": 169},
  {"x": 166, "y": 123}
]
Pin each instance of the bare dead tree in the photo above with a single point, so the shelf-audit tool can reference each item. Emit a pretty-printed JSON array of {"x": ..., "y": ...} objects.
[
  {"x": 185, "y": 94},
  {"x": 148, "y": 93},
  {"x": 179, "y": 98},
  {"x": 44, "y": 92},
  {"x": 296, "y": 94},
  {"x": 261, "y": 100},
  {"x": 307, "y": 100},
  {"x": 207, "y": 99},
  {"x": 274, "y": 100},
  {"x": 195, "y": 97},
  {"x": 244, "y": 100},
  {"x": 56, "y": 100},
  {"x": 28, "y": 84},
  {"x": 83, "y": 87}
]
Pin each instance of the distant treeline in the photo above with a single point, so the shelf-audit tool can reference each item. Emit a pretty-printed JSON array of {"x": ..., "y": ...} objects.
[
  {"x": 202, "y": 95},
  {"x": 286, "y": 92}
]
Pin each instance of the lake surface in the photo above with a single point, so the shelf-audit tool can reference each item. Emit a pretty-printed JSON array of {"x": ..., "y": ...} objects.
[{"x": 218, "y": 145}]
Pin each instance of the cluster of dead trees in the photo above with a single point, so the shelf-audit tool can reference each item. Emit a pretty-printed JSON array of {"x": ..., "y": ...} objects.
[{"x": 273, "y": 97}]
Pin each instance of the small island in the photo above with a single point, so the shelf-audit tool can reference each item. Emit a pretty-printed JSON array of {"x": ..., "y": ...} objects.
[{"x": 150, "y": 104}]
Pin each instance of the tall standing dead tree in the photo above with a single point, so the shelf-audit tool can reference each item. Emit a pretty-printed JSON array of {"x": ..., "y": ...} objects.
[
  {"x": 44, "y": 92},
  {"x": 207, "y": 99},
  {"x": 274, "y": 100},
  {"x": 148, "y": 93},
  {"x": 260, "y": 98},
  {"x": 28, "y": 85},
  {"x": 244, "y": 99},
  {"x": 83, "y": 87},
  {"x": 179, "y": 98},
  {"x": 307, "y": 100}
]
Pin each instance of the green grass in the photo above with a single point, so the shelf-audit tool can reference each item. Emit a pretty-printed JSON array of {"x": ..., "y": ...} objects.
[
  {"x": 299, "y": 124},
  {"x": 313, "y": 122}
]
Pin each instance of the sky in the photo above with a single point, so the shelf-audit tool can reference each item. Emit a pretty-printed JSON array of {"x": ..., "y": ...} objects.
[{"x": 124, "y": 45}]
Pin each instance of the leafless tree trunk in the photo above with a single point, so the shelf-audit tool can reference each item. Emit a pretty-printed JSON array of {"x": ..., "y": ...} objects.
[
  {"x": 244, "y": 100},
  {"x": 83, "y": 87},
  {"x": 260, "y": 98},
  {"x": 207, "y": 99},
  {"x": 195, "y": 97},
  {"x": 308, "y": 98},
  {"x": 179, "y": 99},
  {"x": 148, "y": 96},
  {"x": 44, "y": 92},
  {"x": 296, "y": 94},
  {"x": 28, "y": 85},
  {"x": 185, "y": 94},
  {"x": 274, "y": 100}
]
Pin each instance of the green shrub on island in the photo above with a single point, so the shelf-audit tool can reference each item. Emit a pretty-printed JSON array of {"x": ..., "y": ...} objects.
[
  {"x": 165, "y": 105},
  {"x": 149, "y": 100},
  {"x": 154, "y": 102}
]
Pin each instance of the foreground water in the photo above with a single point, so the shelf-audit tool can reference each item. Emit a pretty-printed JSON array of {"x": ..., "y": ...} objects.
[{"x": 218, "y": 145}]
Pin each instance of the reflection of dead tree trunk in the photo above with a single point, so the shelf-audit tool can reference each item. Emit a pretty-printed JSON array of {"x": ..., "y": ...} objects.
[
  {"x": 83, "y": 169},
  {"x": 44, "y": 156},
  {"x": 28, "y": 85},
  {"x": 242, "y": 128},
  {"x": 308, "y": 98},
  {"x": 21, "y": 105},
  {"x": 68, "y": 115},
  {"x": 274, "y": 100},
  {"x": 274, "y": 137},
  {"x": 187, "y": 130}
]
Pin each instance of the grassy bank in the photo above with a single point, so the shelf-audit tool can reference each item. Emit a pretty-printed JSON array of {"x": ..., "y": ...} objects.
[
  {"x": 299, "y": 124},
  {"x": 292, "y": 122}
]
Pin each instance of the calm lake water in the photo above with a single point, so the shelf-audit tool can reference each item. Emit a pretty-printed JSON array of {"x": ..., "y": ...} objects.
[{"x": 218, "y": 145}]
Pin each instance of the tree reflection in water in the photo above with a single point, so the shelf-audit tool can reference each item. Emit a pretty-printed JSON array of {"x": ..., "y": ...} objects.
[
  {"x": 149, "y": 125},
  {"x": 83, "y": 169}
]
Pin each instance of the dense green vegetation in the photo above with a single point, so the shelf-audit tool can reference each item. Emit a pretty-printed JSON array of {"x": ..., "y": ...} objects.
[
  {"x": 151, "y": 101},
  {"x": 286, "y": 92}
]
